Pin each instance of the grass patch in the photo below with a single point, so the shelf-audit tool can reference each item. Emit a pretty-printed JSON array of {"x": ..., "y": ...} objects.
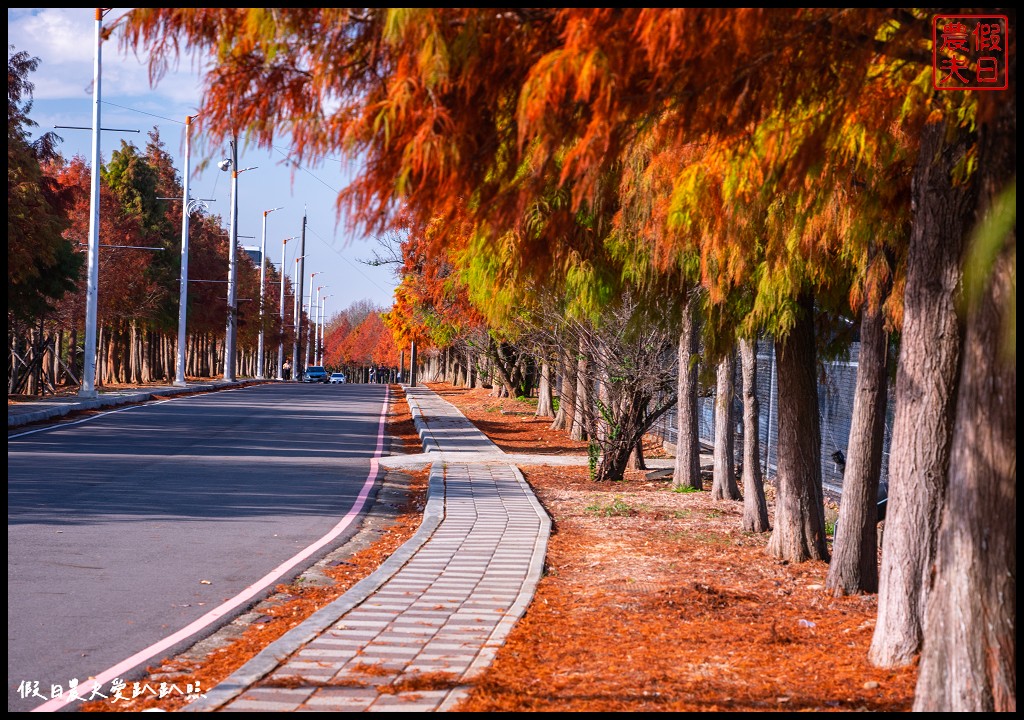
[
  {"x": 684, "y": 489},
  {"x": 617, "y": 508}
]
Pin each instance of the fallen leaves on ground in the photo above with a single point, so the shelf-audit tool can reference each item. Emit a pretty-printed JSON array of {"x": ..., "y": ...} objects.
[
  {"x": 651, "y": 600},
  {"x": 655, "y": 600}
]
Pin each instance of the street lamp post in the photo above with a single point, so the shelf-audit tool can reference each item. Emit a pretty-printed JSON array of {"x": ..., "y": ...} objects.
[
  {"x": 310, "y": 306},
  {"x": 280, "y": 345},
  {"x": 229, "y": 336},
  {"x": 298, "y": 296},
  {"x": 188, "y": 205},
  {"x": 263, "y": 271},
  {"x": 323, "y": 323},
  {"x": 88, "y": 389},
  {"x": 297, "y": 312},
  {"x": 316, "y": 327}
]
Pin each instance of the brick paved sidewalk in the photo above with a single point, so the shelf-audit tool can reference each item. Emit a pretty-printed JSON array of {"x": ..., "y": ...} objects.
[{"x": 411, "y": 635}]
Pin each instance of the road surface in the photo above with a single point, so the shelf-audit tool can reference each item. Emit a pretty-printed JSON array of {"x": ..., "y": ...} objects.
[{"x": 135, "y": 533}]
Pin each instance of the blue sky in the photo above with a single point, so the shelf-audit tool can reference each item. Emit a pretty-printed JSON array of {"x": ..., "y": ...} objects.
[{"x": 63, "y": 40}]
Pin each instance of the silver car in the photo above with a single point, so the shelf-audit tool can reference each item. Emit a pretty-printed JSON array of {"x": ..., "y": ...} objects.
[{"x": 315, "y": 374}]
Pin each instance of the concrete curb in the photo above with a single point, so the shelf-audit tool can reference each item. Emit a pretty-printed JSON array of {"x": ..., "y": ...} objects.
[
  {"x": 426, "y": 437},
  {"x": 274, "y": 654}
]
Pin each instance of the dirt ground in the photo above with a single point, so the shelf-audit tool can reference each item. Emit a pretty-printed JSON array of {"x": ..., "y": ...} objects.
[{"x": 651, "y": 600}]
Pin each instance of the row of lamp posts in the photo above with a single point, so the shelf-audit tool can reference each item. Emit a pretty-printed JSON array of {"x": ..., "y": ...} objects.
[{"x": 190, "y": 205}]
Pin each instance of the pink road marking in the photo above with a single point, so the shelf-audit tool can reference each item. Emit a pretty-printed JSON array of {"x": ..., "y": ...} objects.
[{"x": 246, "y": 594}]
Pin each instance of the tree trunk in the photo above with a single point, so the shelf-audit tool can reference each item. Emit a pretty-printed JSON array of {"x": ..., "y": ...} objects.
[
  {"x": 483, "y": 370},
  {"x": 755, "y": 509},
  {"x": 55, "y": 357},
  {"x": 621, "y": 431},
  {"x": 544, "y": 399},
  {"x": 146, "y": 370},
  {"x": 191, "y": 355},
  {"x": 799, "y": 528},
  {"x": 567, "y": 391},
  {"x": 134, "y": 353},
  {"x": 687, "y": 461},
  {"x": 413, "y": 360},
  {"x": 101, "y": 354},
  {"x": 723, "y": 482},
  {"x": 124, "y": 352},
  {"x": 32, "y": 387},
  {"x": 73, "y": 354},
  {"x": 636, "y": 458},
  {"x": 854, "y": 566},
  {"x": 926, "y": 382},
  {"x": 968, "y": 659},
  {"x": 581, "y": 408},
  {"x": 505, "y": 382}
]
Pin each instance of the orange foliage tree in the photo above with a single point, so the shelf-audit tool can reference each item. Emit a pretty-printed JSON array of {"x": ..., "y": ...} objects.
[{"x": 784, "y": 145}]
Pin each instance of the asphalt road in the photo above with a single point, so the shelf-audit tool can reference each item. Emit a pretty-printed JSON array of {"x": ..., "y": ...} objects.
[{"x": 151, "y": 526}]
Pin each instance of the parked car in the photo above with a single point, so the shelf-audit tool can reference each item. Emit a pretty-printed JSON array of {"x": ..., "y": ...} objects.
[
  {"x": 315, "y": 373},
  {"x": 338, "y": 378}
]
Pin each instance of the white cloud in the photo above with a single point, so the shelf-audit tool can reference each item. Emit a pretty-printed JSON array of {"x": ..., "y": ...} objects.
[{"x": 64, "y": 41}]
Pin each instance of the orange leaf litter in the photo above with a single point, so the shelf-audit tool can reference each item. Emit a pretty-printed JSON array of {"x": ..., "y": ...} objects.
[{"x": 651, "y": 600}]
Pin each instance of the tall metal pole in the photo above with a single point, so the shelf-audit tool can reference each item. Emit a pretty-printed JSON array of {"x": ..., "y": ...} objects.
[
  {"x": 323, "y": 322},
  {"x": 263, "y": 283},
  {"x": 88, "y": 389},
  {"x": 296, "y": 312},
  {"x": 319, "y": 351},
  {"x": 309, "y": 335},
  {"x": 316, "y": 327},
  {"x": 229, "y": 336},
  {"x": 280, "y": 345},
  {"x": 300, "y": 269},
  {"x": 186, "y": 209}
]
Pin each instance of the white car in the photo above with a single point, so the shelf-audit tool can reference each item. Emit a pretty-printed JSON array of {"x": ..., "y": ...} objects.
[{"x": 337, "y": 378}]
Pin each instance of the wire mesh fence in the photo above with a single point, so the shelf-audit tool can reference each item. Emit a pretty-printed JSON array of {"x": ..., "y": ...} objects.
[{"x": 836, "y": 385}]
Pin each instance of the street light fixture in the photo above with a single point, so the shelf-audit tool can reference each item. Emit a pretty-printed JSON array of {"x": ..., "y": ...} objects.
[
  {"x": 229, "y": 336},
  {"x": 280, "y": 346},
  {"x": 263, "y": 271}
]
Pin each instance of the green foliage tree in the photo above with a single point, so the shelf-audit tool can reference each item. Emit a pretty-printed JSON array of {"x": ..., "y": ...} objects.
[{"x": 41, "y": 264}]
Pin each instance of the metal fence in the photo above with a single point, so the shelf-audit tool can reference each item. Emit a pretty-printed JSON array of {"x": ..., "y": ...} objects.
[{"x": 836, "y": 385}]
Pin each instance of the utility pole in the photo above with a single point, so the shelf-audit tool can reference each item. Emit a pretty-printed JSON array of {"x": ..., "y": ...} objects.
[
  {"x": 300, "y": 271},
  {"x": 88, "y": 389},
  {"x": 263, "y": 274},
  {"x": 280, "y": 345},
  {"x": 312, "y": 315},
  {"x": 229, "y": 335}
]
